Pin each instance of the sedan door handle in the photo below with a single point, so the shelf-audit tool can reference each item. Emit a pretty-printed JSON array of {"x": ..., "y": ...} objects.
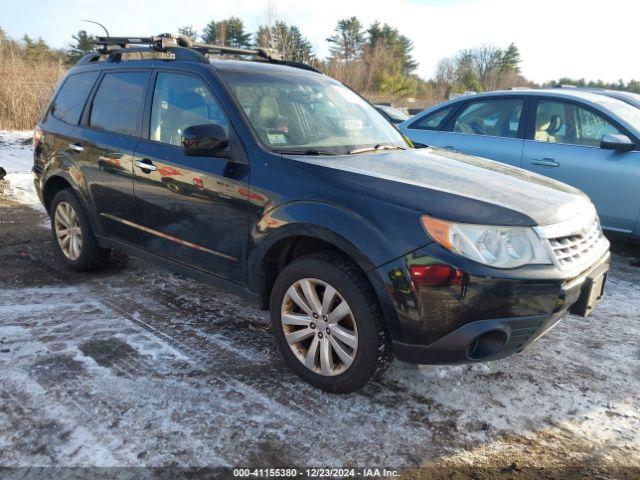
[
  {"x": 146, "y": 165},
  {"x": 450, "y": 148},
  {"x": 546, "y": 162},
  {"x": 76, "y": 147}
]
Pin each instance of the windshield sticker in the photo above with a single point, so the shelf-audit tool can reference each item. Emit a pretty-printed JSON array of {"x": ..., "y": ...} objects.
[{"x": 276, "y": 138}]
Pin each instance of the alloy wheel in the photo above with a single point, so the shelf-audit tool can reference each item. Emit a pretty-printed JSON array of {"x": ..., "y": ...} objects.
[
  {"x": 68, "y": 231},
  {"x": 319, "y": 326}
]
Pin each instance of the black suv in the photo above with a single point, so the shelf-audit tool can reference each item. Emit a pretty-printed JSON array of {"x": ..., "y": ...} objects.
[{"x": 274, "y": 181}]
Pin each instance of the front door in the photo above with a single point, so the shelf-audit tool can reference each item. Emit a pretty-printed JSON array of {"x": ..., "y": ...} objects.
[
  {"x": 566, "y": 147},
  {"x": 190, "y": 209},
  {"x": 487, "y": 128}
]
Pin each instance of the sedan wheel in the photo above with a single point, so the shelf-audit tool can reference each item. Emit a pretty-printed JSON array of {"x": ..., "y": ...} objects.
[
  {"x": 319, "y": 327},
  {"x": 68, "y": 231}
]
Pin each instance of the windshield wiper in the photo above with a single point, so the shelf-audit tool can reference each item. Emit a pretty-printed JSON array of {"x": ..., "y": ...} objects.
[
  {"x": 376, "y": 148},
  {"x": 309, "y": 151}
]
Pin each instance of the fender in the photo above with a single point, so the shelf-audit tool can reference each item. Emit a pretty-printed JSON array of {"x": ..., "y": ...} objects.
[
  {"x": 336, "y": 225},
  {"x": 358, "y": 238}
]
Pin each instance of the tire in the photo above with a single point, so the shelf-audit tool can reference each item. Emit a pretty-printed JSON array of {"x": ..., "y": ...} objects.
[
  {"x": 66, "y": 208},
  {"x": 365, "y": 322}
]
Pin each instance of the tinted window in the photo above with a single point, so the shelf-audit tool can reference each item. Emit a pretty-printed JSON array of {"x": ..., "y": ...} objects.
[
  {"x": 497, "y": 118},
  {"x": 180, "y": 101},
  {"x": 433, "y": 121},
  {"x": 118, "y": 101},
  {"x": 68, "y": 104},
  {"x": 560, "y": 122}
]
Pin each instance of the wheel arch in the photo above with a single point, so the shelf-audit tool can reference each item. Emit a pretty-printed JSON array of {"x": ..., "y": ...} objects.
[
  {"x": 63, "y": 180},
  {"x": 320, "y": 227}
]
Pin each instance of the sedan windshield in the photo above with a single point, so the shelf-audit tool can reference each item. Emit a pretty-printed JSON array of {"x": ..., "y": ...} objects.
[
  {"x": 300, "y": 112},
  {"x": 626, "y": 112}
]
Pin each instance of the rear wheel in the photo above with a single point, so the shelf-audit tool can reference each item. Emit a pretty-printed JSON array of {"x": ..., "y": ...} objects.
[
  {"x": 328, "y": 324},
  {"x": 75, "y": 243}
]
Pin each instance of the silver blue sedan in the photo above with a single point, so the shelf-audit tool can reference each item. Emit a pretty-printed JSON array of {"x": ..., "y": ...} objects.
[{"x": 588, "y": 140}]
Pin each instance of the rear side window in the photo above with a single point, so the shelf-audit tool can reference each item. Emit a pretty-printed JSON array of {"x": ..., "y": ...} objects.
[
  {"x": 496, "y": 118},
  {"x": 72, "y": 96},
  {"x": 431, "y": 121},
  {"x": 117, "y": 104}
]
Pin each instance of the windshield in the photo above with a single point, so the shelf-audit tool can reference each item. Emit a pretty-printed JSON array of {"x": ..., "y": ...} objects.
[
  {"x": 309, "y": 112},
  {"x": 626, "y": 112}
]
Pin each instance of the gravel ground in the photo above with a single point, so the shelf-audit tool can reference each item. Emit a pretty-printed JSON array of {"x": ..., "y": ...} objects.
[{"x": 132, "y": 366}]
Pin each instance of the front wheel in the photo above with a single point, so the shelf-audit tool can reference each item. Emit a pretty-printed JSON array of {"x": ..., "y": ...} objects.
[{"x": 328, "y": 323}]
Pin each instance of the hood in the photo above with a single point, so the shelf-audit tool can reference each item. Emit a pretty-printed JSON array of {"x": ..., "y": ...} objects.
[{"x": 457, "y": 187}]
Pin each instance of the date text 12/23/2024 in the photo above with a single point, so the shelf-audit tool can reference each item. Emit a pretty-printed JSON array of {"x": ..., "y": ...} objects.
[{"x": 315, "y": 473}]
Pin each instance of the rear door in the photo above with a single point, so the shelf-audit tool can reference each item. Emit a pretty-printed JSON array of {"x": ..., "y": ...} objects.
[
  {"x": 486, "y": 127},
  {"x": 190, "y": 209},
  {"x": 110, "y": 133},
  {"x": 564, "y": 143}
]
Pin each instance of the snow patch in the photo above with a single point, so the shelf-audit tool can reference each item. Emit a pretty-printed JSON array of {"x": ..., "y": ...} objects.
[{"x": 16, "y": 157}]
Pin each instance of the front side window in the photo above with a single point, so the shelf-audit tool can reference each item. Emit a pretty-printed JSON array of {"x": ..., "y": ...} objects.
[
  {"x": 562, "y": 122},
  {"x": 433, "y": 121},
  {"x": 496, "y": 118},
  {"x": 72, "y": 96},
  {"x": 296, "y": 111},
  {"x": 180, "y": 101},
  {"x": 118, "y": 102}
]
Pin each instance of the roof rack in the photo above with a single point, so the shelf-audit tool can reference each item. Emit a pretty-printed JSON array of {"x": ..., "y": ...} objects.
[{"x": 183, "y": 48}]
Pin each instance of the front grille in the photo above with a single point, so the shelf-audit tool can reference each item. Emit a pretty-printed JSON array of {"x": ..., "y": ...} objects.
[{"x": 573, "y": 250}]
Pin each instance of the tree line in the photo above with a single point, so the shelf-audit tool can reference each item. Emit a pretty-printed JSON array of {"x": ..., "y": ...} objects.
[{"x": 376, "y": 59}]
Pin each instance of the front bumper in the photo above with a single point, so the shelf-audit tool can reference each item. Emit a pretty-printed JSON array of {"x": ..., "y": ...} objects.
[{"x": 442, "y": 323}]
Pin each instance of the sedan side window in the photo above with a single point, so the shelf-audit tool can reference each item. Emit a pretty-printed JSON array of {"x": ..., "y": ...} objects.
[
  {"x": 431, "y": 121},
  {"x": 180, "y": 101},
  {"x": 496, "y": 118},
  {"x": 562, "y": 122},
  {"x": 592, "y": 127}
]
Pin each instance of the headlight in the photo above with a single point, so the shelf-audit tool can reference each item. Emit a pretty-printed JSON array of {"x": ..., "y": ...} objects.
[{"x": 496, "y": 246}]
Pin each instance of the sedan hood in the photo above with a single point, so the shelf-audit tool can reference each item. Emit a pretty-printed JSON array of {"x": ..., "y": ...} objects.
[{"x": 458, "y": 187}]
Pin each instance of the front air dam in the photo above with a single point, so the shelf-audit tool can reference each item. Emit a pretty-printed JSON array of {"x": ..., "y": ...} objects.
[{"x": 481, "y": 340}]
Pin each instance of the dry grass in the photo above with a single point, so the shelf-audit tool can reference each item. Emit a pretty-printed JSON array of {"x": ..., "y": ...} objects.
[{"x": 25, "y": 88}]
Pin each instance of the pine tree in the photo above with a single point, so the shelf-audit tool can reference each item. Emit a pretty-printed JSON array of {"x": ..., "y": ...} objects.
[
  {"x": 84, "y": 43},
  {"x": 510, "y": 61},
  {"x": 399, "y": 45},
  {"x": 347, "y": 41},
  {"x": 228, "y": 32}
]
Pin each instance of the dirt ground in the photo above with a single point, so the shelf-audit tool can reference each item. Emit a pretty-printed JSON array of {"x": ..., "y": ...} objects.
[{"x": 132, "y": 366}]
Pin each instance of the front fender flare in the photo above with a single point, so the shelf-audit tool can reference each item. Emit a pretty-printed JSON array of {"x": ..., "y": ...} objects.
[{"x": 365, "y": 244}]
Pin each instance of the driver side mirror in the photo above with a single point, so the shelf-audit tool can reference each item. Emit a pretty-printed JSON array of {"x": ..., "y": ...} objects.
[
  {"x": 618, "y": 142},
  {"x": 204, "y": 140}
]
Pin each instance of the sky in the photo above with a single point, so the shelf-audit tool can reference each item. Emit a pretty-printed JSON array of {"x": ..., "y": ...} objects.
[{"x": 557, "y": 38}]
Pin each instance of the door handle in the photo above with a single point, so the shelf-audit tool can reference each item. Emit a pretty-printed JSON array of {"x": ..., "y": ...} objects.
[
  {"x": 546, "y": 162},
  {"x": 450, "y": 148},
  {"x": 76, "y": 147},
  {"x": 146, "y": 165}
]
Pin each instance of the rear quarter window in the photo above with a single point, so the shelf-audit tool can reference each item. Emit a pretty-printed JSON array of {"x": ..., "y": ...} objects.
[{"x": 68, "y": 104}]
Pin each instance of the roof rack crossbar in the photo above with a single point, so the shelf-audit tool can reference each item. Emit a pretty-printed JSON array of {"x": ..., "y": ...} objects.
[{"x": 169, "y": 42}]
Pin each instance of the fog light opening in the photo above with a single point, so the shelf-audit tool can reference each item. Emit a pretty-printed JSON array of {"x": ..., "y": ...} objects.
[{"x": 486, "y": 344}]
